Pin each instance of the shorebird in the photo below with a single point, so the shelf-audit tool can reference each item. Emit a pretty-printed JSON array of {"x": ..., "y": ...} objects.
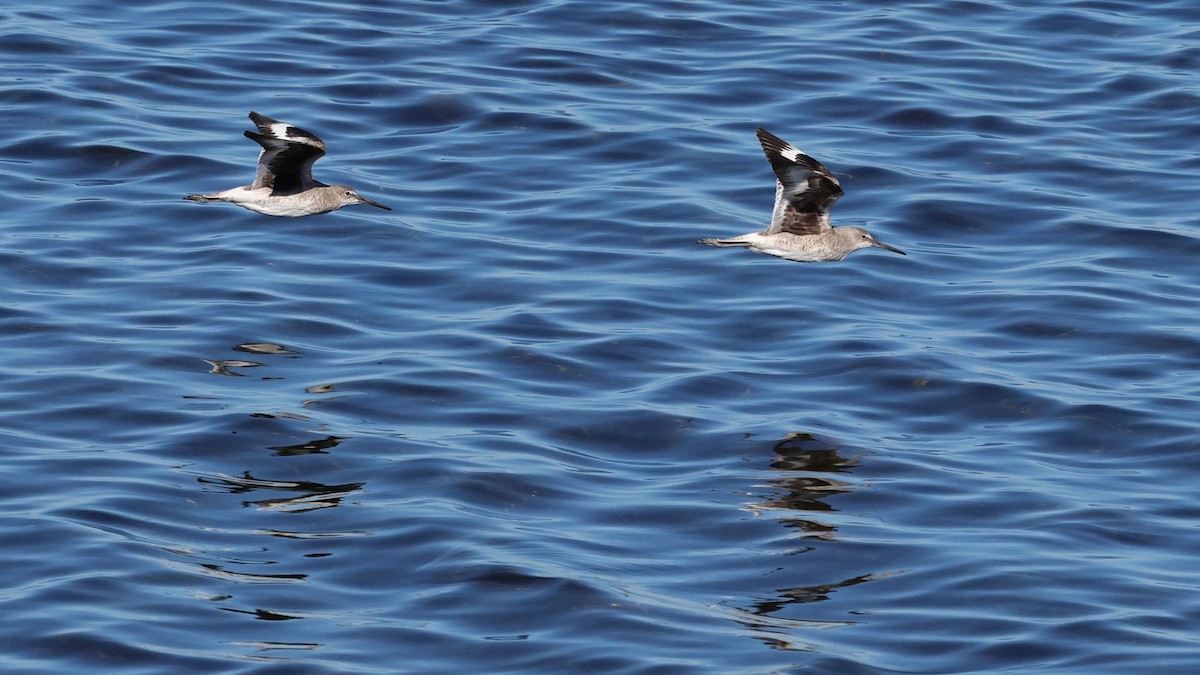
[
  {"x": 800, "y": 228},
  {"x": 283, "y": 184}
]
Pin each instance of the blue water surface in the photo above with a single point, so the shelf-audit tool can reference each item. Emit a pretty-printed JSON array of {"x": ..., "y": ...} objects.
[{"x": 524, "y": 423}]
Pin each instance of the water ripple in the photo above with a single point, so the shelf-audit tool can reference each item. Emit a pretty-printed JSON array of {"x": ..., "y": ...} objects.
[{"x": 524, "y": 422}]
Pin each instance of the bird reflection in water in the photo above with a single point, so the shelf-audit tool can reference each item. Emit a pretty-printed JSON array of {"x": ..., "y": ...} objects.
[
  {"x": 311, "y": 495},
  {"x": 806, "y": 465},
  {"x": 806, "y": 471}
]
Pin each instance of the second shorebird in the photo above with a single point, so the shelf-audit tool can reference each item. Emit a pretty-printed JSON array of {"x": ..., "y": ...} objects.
[
  {"x": 800, "y": 228},
  {"x": 283, "y": 184}
]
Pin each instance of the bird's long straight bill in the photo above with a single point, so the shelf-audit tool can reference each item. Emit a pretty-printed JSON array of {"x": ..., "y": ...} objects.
[
  {"x": 386, "y": 208},
  {"x": 880, "y": 244}
]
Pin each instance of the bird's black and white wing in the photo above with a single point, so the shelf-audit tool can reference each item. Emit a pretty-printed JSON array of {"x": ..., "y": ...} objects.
[
  {"x": 288, "y": 153},
  {"x": 805, "y": 189}
]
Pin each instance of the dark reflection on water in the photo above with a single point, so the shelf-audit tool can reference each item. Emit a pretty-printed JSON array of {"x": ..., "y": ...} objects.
[
  {"x": 800, "y": 456},
  {"x": 805, "y": 465},
  {"x": 804, "y": 594},
  {"x": 313, "y": 495},
  {"x": 802, "y": 483},
  {"x": 262, "y": 614},
  {"x": 221, "y": 572},
  {"x": 318, "y": 446}
]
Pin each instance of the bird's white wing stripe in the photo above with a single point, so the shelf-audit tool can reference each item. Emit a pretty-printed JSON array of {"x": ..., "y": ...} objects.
[{"x": 790, "y": 153}]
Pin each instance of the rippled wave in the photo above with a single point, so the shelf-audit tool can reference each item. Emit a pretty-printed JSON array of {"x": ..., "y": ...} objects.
[{"x": 524, "y": 423}]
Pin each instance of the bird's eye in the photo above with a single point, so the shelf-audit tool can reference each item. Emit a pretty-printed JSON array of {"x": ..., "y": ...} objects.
[
  {"x": 865, "y": 236},
  {"x": 348, "y": 193}
]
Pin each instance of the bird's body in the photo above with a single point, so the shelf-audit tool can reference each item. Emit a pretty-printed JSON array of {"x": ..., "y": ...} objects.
[
  {"x": 800, "y": 229},
  {"x": 283, "y": 184}
]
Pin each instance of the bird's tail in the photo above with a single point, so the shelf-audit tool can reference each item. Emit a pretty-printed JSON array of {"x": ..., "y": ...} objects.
[{"x": 722, "y": 242}]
